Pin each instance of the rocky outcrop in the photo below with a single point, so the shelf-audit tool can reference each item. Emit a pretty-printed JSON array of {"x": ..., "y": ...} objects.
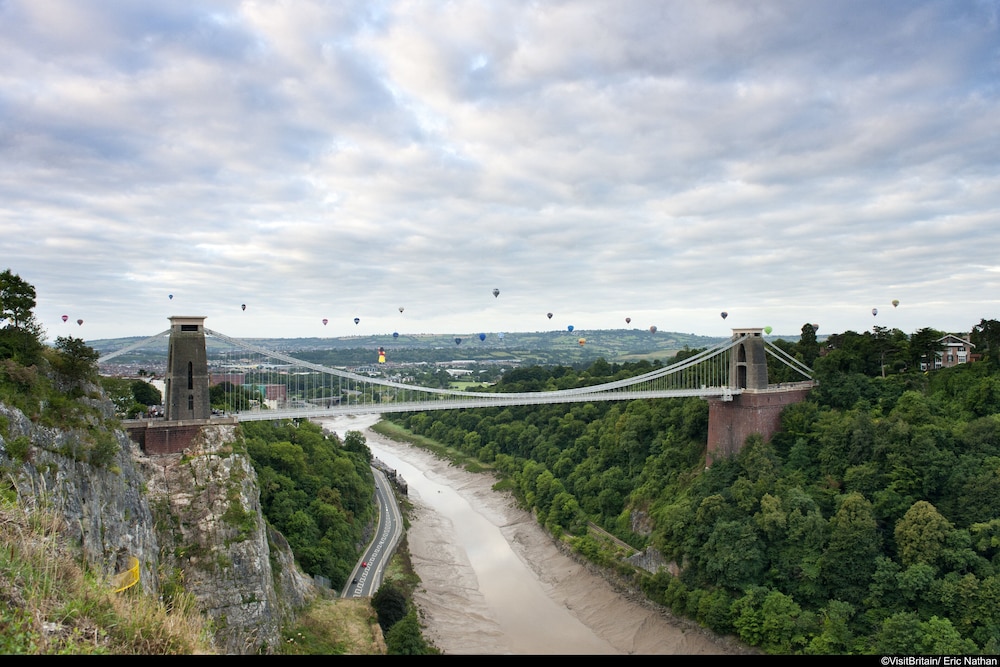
[
  {"x": 192, "y": 517},
  {"x": 104, "y": 507}
]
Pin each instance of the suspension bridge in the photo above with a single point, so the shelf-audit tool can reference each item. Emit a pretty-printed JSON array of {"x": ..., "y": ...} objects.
[
  {"x": 271, "y": 385},
  {"x": 255, "y": 383}
]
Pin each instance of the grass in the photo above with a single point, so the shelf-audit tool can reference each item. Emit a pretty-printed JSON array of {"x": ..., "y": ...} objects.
[{"x": 51, "y": 605}]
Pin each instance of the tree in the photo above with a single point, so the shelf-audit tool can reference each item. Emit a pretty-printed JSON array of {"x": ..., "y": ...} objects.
[
  {"x": 849, "y": 561},
  {"x": 21, "y": 336},
  {"x": 925, "y": 346},
  {"x": 77, "y": 360},
  {"x": 17, "y": 300},
  {"x": 986, "y": 337},
  {"x": 404, "y": 637},
  {"x": 808, "y": 347},
  {"x": 145, "y": 393},
  {"x": 390, "y": 605},
  {"x": 921, "y": 534}
]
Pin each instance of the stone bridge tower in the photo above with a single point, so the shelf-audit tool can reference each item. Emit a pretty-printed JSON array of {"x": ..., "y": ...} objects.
[
  {"x": 758, "y": 408},
  {"x": 187, "y": 381}
]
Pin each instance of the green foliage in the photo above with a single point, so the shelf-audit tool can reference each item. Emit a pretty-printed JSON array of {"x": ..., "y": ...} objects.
[
  {"x": 404, "y": 638},
  {"x": 314, "y": 491},
  {"x": 76, "y": 360},
  {"x": 20, "y": 335},
  {"x": 878, "y": 497},
  {"x": 19, "y": 448},
  {"x": 390, "y": 604}
]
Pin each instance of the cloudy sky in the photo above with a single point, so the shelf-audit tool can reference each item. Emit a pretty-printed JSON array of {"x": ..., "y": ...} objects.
[{"x": 663, "y": 161}]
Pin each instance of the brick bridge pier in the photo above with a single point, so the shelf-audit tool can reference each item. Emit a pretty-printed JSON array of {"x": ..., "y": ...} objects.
[{"x": 758, "y": 408}]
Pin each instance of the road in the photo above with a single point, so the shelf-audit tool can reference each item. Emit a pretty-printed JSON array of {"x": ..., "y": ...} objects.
[{"x": 365, "y": 580}]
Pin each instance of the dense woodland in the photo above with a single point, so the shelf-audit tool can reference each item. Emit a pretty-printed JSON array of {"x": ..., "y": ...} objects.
[{"x": 869, "y": 524}]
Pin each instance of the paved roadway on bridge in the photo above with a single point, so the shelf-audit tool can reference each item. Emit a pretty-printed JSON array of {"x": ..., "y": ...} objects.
[{"x": 365, "y": 580}]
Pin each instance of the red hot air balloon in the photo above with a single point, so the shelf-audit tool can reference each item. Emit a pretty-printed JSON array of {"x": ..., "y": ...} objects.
[
  {"x": 652, "y": 329},
  {"x": 65, "y": 317}
]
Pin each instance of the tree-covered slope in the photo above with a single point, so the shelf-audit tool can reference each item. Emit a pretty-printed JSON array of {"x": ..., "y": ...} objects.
[{"x": 869, "y": 524}]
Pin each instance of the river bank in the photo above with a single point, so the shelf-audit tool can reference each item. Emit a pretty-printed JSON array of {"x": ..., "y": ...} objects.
[{"x": 493, "y": 581}]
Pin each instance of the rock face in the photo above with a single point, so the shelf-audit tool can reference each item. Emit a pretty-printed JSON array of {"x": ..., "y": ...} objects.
[{"x": 192, "y": 517}]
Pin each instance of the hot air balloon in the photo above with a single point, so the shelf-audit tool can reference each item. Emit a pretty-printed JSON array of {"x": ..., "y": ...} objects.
[
  {"x": 628, "y": 320},
  {"x": 395, "y": 334},
  {"x": 874, "y": 312},
  {"x": 357, "y": 319},
  {"x": 895, "y": 302},
  {"x": 500, "y": 335},
  {"x": 325, "y": 321},
  {"x": 244, "y": 306},
  {"x": 652, "y": 329},
  {"x": 458, "y": 341},
  {"x": 768, "y": 330},
  {"x": 400, "y": 309},
  {"x": 170, "y": 296},
  {"x": 815, "y": 327},
  {"x": 569, "y": 328},
  {"x": 496, "y": 292},
  {"x": 80, "y": 322},
  {"x": 548, "y": 315},
  {"x": 724, "y": 314},
  {"x": 381, "y": 355},
  {"x": 482, "y": 336},
  {"x": 65, "y": 317},
  {"x": 582, "y": 341}
]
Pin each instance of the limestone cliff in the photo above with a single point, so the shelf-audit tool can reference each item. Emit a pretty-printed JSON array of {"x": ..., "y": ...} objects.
[{"x": 191, "y": 519}]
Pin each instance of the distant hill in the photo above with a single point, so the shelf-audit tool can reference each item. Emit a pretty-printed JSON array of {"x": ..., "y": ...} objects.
[{"x": 540, "y": 347}]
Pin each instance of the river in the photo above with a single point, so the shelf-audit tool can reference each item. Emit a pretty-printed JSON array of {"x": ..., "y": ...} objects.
[{"x": 494, "y": 583}]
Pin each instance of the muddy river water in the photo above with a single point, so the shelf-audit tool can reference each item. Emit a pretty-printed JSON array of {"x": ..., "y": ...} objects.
[{"x": 492, "y": 580}]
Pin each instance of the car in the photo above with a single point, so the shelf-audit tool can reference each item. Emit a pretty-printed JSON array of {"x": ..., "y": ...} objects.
[{"x": 364, "y": 563}]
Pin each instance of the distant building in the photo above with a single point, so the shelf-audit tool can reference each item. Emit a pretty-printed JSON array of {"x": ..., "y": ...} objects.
[
  {"x": 957, "y": 350},
  {"x": 232, "y": 378}
]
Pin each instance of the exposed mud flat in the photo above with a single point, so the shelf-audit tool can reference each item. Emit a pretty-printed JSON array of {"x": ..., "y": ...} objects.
[{"x": 532, "y": 599}]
